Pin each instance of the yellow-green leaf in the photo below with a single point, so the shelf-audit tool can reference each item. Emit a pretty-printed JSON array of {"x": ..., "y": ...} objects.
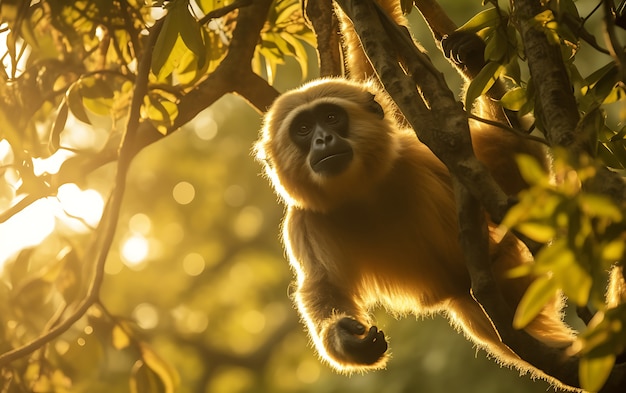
[
  {"x": 542, "y": 290},
  {"x": 538, "y": 231},
  {"x": 120, "y": 338},
  {"x": 594, "y": 371},
  {"x": 514, "y": 99},
  {"x": 483, "y": 82},
  {"x": 487, "y": 18},
  {"x": 165, "y": 372},
  {"x": 531, "y": 170}
]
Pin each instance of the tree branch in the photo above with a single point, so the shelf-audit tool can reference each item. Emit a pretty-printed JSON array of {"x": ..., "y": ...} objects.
[{"x": 321, "y": 15}]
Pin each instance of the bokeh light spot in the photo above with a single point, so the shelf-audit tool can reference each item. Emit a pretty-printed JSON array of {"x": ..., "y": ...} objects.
[
  {"x": 205, "y": 127},
  {"x": 146, "y": 316},
  {"x": 193, "y": 264},
  {"x": 183, "y": 193},
  {"x": 308, "y": 371},
  {"x": 135, "y": 250},
  {"x": 248, "y": 222},
  {"x": 140, "y": 224}
]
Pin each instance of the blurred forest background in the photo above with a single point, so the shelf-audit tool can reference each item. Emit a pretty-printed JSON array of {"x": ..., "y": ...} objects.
[{"x": 195, "y": 296}]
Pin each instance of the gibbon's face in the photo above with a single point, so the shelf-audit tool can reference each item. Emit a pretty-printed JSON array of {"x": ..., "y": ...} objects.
[
  {"x": 323, "y": 143},
  {"x": 321, "y": 133}
]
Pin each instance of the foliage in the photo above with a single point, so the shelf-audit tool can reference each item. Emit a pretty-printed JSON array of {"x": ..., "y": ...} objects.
[{"x": 192, "y": 296}]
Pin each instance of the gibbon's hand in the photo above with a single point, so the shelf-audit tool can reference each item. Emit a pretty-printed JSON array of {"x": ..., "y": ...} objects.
[
  {"x": 361, "y": 346},
  {"x": 465, "y": 49}
]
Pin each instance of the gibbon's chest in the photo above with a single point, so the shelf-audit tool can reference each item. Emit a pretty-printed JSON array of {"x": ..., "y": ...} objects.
[{"x": 396, "y": 228}]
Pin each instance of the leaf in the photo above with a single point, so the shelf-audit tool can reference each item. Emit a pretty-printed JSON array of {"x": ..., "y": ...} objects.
[
  {"x": 57, "y": 127},
  {"x": 75, "y": 102},
  {"x": 574, "y": 279},
  {"x": 530, "y": 169},
  {"x": 497, "y": 46},
  {"x": 144, "y": 380},
  {"x": 299, "y": 53},
  {"x": 191, "y": 33},
  {"x": 514, "y": 99},
  {"x": 600, "y": 206},
  {"x": 537, "y": 295},
  {"x": 165, "y": 373},
  {"x": 483, "y": 82},
  {"x": 538, "y": 231},
  {"x": 120, "y": 339},
  {"x": 594, "y": 371},
  {"x": 164, "y": 45},
  {"x": 487, "y": 18}
]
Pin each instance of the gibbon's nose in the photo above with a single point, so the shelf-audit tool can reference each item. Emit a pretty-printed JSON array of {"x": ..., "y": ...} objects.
[{"x": 321, "y": 137}]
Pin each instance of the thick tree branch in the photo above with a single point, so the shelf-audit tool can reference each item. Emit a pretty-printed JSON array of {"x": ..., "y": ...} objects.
[
  {"x": 434, "y": 112},
  {"x": 321, "y": 15},
  {"x": 547, "y": 69}
]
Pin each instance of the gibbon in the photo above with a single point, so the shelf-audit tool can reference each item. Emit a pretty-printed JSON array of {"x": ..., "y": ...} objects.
[{"x": 371, "y": 220}]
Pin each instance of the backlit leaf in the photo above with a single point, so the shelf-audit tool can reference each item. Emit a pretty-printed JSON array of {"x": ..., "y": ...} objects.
[
  {"x": 536, "y": 297},
  {"x": 594, "y": 371},
  {"x": 487, "y": 18},
  {"x": 483, "y": 82}
]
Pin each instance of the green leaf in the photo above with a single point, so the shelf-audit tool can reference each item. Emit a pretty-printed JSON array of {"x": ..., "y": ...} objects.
[
  {"x": 75, "y": 102},
  {"x": 514, "y": 99},
  {"x": 497, "y": 46},
  {"x": 483, "y": 82},
  {"x": 484, "y": 19},
  {"x": 575, "y": 281},
  {"x": 299, "y": 53},
  {"x": 169, "y": 45},
  {"x": 57, "y": 127},
  {"x": 538, "y": 294},
  {"x": 144, "y": 380},
  {"x": 600, "y": 206},
  {"x": 191, "y": 33},
  {"x": 165, "y": 373},
  {"x": 120, "y": 338},
  {"x": 594, "y": 371},
  {"x": 531, "y": 170},
  {"x": 538, "y": 231}
]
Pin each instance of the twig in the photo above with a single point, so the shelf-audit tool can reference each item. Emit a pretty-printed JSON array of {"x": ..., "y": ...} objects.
[{"x": 218, "y": 13}]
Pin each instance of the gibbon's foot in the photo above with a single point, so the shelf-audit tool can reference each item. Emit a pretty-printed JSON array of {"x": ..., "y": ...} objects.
[
  {"x": 465, "y": 49},
  {"x": 360, "y": 347}
]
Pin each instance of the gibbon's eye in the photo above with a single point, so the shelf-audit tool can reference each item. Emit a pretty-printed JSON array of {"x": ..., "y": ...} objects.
[
  {"x": 331, "y": 118},
  {"x": 303, "y": 129}
]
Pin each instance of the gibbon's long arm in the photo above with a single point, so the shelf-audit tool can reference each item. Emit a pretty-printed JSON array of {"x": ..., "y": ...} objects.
[{"x": 339, "y": 327}]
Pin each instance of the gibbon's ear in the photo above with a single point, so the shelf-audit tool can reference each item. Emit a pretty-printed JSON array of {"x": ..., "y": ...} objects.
[{"x": 374, "y": 107}]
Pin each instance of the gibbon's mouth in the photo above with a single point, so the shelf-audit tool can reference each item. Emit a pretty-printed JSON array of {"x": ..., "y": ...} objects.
[{"x": 332, "y": 164}]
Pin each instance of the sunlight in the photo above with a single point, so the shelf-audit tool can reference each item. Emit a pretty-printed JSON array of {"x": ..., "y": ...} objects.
[
  {"x": 27, "y": 228},
  {"x": 86, "y": 205},
  {"x": 79, "y": 209},
  {"x": 135, "y": 250}
]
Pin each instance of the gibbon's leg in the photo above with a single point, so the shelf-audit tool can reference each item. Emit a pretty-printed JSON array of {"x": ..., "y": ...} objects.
[
  {"x": 469, "y": 316},
  {"x": 466, "y": 314},
  {"x": 548, "y": 326}
]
